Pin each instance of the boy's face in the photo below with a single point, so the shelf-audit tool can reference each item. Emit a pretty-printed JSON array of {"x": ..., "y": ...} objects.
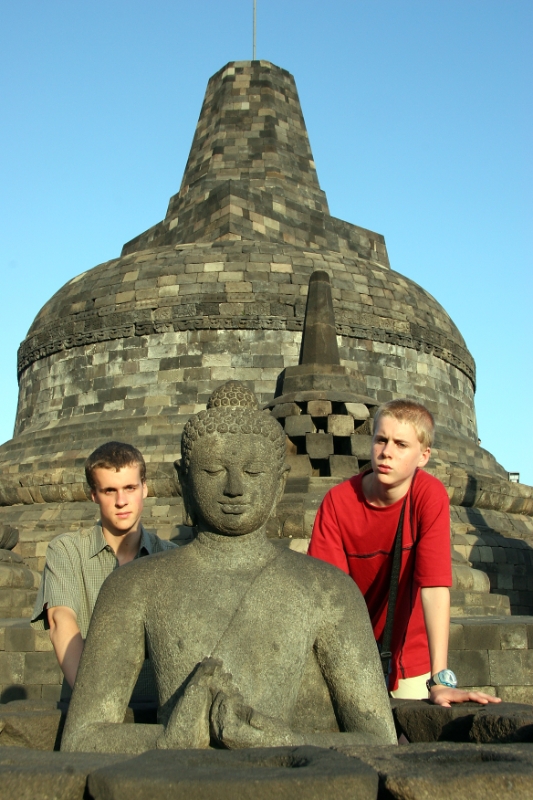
[
  {"x": 396, "y": 453},
  {"x": 120, "y": 496}
]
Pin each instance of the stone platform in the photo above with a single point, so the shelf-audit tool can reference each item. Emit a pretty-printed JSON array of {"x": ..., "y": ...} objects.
[{"x": 438, "y": 770}]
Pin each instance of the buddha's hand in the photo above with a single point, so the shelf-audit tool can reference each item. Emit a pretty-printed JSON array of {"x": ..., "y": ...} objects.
[
  {"x": 188, "y": 724},
  {"x": 235, "y": 724}
]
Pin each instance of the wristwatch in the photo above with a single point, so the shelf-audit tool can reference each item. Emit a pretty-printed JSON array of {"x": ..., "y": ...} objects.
[{"x": 443, "y": 678}]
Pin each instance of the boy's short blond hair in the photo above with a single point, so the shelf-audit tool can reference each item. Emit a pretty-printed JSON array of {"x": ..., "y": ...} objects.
[{"x": 414, "y": 413}]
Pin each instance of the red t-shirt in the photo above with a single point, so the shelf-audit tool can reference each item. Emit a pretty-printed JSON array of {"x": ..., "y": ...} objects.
[{"x": 359, "y": 538}]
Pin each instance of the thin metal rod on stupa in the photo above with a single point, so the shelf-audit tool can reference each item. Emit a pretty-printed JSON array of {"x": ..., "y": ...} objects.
[
  {"x": 255, "y": 18},
  {"x": 319, "y": 338}
]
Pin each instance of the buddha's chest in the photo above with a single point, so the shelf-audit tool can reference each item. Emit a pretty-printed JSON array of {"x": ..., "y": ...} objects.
[{"x": 261, "y": 631}]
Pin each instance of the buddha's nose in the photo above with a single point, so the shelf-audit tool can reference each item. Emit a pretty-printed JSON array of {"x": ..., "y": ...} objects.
[{"x": 234, "y": 485}]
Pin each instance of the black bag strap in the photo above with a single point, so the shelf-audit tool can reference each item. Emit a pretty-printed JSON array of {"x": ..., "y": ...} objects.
[{"x": 386, "y": 641}]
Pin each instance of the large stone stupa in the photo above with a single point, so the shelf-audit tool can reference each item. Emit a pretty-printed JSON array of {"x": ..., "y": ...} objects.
[{"x": 218, "y": 291}]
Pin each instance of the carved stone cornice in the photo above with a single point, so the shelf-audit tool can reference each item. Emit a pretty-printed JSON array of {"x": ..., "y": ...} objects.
[{"x": 55, "y": 339}]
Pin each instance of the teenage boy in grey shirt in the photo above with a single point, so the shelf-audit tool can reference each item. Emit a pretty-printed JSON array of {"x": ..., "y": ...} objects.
[{"x": 78, "y": 563}]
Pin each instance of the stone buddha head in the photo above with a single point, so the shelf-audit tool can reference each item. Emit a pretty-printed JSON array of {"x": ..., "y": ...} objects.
[{"x": 232, "y": 470}]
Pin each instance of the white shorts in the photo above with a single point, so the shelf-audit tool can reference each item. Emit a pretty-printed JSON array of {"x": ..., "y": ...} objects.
[{"x": 412, "y": 688}]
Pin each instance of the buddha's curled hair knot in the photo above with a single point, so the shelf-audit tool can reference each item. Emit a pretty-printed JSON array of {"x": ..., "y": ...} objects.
[
  {"x": 234, "y": 394},
  {"x": 233, "y": 420}
]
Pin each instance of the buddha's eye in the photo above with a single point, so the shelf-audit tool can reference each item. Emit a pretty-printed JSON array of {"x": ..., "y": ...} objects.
[
  {"x": 213, "y": 471},
  {"x": 254, "y": 470}
]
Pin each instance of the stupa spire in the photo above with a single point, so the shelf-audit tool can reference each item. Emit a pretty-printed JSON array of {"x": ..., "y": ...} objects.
[{"x": 251, "y": 175}]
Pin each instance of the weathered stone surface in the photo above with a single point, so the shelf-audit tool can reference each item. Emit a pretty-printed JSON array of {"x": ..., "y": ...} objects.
[
  {"x": 286, "y": 410},
  {"x": 301, "y": 773},
  {"x": 507, "y": 722},
  {"x": 300, "y": 466},
  {"x": 360, "y": 446},
  {"x": 340, "y": 424},
  {"x": 9, "y": 536},
  {"x": 319, "y": 408},
  {"x": 357, "y": 410},
  {"x": 299, "y": 425},
  {"x": 444, "y": 771},
  {"x": 34, "y": 724},
  {"x": 343, "y": 466},
  {"x": 319, "y": 445},
  {"x": 421, "y": 721},
  {"x": 253, "y": 629},
  {"x": 34, "y": 775},
  {"x": 319, "y": 343}
]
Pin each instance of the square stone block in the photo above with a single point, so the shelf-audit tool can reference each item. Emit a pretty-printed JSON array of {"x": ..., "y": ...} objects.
[
  {"x": 513, "y": 637},
  {"x": 507, "y": 668},
  {"x": 360, "y": 446},
  {"x": 32, "y": 774},
  {"x": 300, "y": 466},
  {"x": 42, "y": 668},
  {"x": 286, "y": 410},
  {"x": 450, "y": 771},
  {"x": 340, "y": 425},
  {"x": 299, "y": 425},
  {"x": 357, "y": 410},
  {"x": 298, "y": 773},
  {"x": 11, "y": 668},
  {"x": 19, "y": 639},
  {"x": 482, "y": 637},
  {"x": 319, "y": 445},
  {"x": 319, "y": 408},
  {"x": 343, "y": 466},
  {"x": 470, "y": 666}
]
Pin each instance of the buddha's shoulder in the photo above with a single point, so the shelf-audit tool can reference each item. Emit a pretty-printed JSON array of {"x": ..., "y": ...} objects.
[
  {"x": 313, "y": 568},
  {"x": 152, "y": 566}
]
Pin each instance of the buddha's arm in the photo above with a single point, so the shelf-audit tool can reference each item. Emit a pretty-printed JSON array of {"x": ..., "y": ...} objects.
[
  {"x": 111, "y": 661},
  {"x": 349, "y": 660}
]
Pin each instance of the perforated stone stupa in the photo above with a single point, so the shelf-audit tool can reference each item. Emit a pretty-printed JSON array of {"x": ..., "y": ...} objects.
[{"x": 218, "y": 291}]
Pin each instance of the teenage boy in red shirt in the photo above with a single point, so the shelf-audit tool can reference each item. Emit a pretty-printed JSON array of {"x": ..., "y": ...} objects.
[{"x": 355, "y": 530}]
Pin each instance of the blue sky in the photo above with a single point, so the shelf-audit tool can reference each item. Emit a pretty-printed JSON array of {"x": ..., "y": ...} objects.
[{"x": 420, "y": 121}]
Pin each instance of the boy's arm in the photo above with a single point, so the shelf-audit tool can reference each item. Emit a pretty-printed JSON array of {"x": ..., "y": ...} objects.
[
  {"x": 66, "y": 639},
  {"x": 436, "y": 607},
  {"x": 57, "y": 605},
  {"x": 433, "y": 568}
]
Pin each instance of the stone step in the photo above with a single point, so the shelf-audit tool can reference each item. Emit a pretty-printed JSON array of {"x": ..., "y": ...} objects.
[
  {"x": 17, "y": 602},
  {"x": 28, "y": 666},
  {"x": 467, "y": 579},
  {"x": 494, "y": 654},
  {"x": 472, "y": 603}
]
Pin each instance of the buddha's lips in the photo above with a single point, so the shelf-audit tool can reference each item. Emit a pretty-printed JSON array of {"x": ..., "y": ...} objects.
[{"x": 234, "y": 508}]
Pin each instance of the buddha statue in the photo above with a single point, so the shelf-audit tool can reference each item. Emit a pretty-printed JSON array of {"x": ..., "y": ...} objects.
[{"x": 244, "y": 634}]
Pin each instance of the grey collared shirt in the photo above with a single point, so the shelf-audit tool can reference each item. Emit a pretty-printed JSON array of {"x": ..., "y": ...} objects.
[{"x": 76, "y": 566}]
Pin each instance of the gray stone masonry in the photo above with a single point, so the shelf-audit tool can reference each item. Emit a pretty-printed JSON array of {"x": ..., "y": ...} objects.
[{"x": 437, "y": 770}]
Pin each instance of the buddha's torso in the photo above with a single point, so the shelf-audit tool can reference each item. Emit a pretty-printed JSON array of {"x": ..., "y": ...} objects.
[{"x": 247, "y": 611}]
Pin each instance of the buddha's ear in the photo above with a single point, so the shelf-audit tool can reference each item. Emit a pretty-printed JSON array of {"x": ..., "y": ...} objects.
[
  {"x": 184, "y": 492},
  {"x": 282, "y": 481}
]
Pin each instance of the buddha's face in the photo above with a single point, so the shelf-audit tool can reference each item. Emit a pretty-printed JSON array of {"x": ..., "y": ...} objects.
[{"x": 234, "y": 482}]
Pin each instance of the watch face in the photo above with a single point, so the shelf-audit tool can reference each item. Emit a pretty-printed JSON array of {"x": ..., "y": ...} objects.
[{"x": 447, "y": 678}]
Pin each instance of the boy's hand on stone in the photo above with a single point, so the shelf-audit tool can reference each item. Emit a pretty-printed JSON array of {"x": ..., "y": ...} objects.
[{"x": 445, "y": 696}]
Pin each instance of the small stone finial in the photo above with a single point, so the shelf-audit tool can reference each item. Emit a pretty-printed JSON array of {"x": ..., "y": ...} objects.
[
  {"x": 319, "y": 339},
  {"x": 233, "y": 393}
]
